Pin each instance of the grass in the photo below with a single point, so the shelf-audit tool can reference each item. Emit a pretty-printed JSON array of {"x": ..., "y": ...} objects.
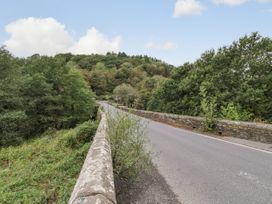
[
  {"x": 45, "y": 169},
  {"x": 129, "y": 155}
]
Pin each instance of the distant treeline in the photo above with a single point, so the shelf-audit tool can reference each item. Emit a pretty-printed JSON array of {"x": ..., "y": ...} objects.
[{"x": 234, "y": 82}]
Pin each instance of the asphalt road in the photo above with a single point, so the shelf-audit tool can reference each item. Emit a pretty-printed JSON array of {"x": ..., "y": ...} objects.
[{"x": 201, "y": 169}]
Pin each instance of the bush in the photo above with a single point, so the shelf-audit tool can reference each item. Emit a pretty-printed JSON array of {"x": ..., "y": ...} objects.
[
  {"x": 127, "y": 137},
  {"x": 208, "y": 110},
  {"x": 82, "y": 134},
  {"x": 125, "y": 94},
  {"x": 45, "y": 169},
  {"x": 141, "y": 101},
  {"x": 13, "y": 127},
  {"x": 235, "y": 112}
]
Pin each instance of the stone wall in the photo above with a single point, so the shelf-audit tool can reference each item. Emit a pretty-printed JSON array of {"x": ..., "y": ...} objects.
[
  {"x": 245, "y": 130},
  {"x": 95, "y": 184}
]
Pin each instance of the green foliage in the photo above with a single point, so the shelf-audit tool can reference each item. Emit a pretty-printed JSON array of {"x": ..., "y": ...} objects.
[
  {"x": 208, "y": 109},
  {"x": 111, "y": 70},
  {"x": 82, "y": 134},
  {"x": 38, "y": 93},
  {"x": 45, "y": 169},
  {"x": 146, "y": 88},
  {"x": 164, "y": 97},
  {"x": 234, "y": 112},
  {"x": 239, "y": 73},
  {"x": 14, "y": 126},
  {"x": 100, "y": 66},
  {"x": 127, "y": 137},
  {"x": 78, "y": 100},
  {"x": 125, "y": 94},
  {"x": 102, "y": 81},
  {"x": 10, "y": 82}
]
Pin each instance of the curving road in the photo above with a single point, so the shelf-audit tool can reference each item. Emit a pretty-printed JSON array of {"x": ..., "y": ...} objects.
[{"x": 202, "y": 169}]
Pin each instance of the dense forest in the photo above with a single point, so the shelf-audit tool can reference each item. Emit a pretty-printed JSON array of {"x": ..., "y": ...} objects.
[
  {"x": 47, "y": 122},
  {"x": 39, "y": 92},
  {"x": 106, "y": 72},
  {"x": 233, "y": 82}
]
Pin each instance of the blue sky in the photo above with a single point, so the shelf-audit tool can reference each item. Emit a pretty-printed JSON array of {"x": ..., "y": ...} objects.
[{"x": 175, "y": 31}]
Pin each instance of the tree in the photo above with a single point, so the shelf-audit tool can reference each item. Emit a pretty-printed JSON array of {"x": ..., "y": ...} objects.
[
  {"x": 13, "y": 120},
  {"x": 38, "y": 93},
  {"x": 165, "y": 97},
  {"x": 239, "y": 73},
  {"x": 125, "y": 94},
  {"x": 10, "y": 82},
  {"x": 146, "y": 88}
]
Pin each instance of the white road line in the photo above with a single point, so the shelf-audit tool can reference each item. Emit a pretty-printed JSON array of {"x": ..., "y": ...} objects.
[
  {"x": 214, "y": 138},
  {"x": 237, "y": 144},
  {"x": 209, "y": 137}
]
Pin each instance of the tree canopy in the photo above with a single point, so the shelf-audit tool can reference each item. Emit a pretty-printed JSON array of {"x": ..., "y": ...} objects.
[
  {"x": 237, "y": 78},
  {"x": 38, "y": 93}
]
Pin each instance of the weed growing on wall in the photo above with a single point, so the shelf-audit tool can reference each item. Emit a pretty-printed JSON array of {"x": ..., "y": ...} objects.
[{"x": 128, "y": 141}]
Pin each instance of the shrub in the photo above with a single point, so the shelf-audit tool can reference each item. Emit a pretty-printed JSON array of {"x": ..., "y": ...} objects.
[
  {"x": 45, "y": 169},
  {"x": 82, "y": 134},
  {"x": 127, "y": 137},
  {"x": 125, "y": 94},
  {"x": 208, "y": 110},
  {"x": 13, "y": 127},
  {"x": 235, "y": 112}
]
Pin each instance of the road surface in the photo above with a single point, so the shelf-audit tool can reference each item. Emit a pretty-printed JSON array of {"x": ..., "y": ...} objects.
[{"x": 204, "y": 170}]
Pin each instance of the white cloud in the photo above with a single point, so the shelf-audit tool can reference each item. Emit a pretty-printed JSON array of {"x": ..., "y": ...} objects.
[
  {"x": 36, "y": 35},
  {"x": 47, "y": 36},
  {"x": 230, "y": 2},
  {"x": 161, "y": 46},
  {"x": 188, "y": 8},
  {"x": 95, "y": 42}
]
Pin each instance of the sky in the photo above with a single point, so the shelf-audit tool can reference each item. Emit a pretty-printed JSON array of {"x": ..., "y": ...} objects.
[{"x": 175, "y": 31}]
